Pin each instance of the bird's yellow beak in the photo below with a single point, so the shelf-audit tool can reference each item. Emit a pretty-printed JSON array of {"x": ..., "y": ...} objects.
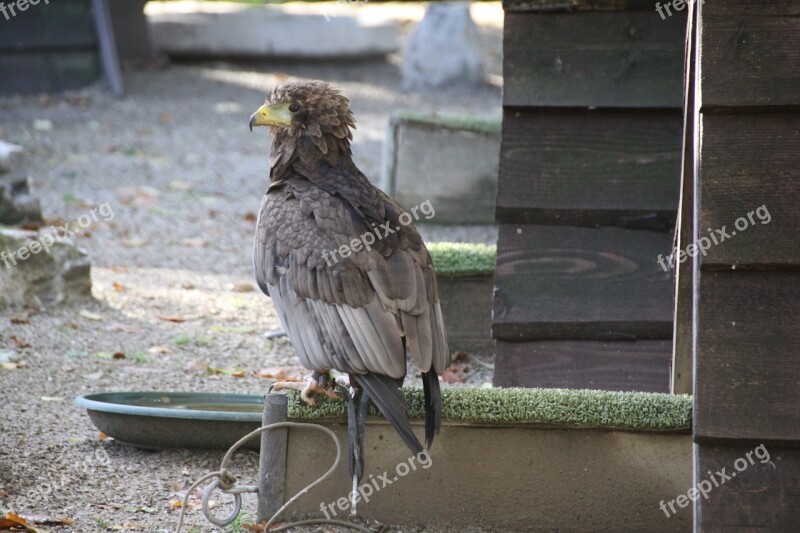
[{"x": 271, "y": 115}]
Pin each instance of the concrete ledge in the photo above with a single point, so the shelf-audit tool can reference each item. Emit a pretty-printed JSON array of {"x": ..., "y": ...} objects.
[
  {"x": 465, "y": 277},
  {"x": 450, "y": 160},
  {"x": 514, "y": 476},
  {"x": 314, "y": 31}
]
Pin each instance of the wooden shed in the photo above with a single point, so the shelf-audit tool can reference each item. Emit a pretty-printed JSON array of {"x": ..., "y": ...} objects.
[
  {"x": 621, "y": 122},
  {"x": 587, "y": 194}
]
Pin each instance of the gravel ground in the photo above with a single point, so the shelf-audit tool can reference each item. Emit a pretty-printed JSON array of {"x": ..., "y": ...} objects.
[{"x": 173, "y": 288}]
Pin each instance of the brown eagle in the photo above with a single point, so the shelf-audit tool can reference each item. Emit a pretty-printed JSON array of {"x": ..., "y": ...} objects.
[{"x": 350, "y": 278}]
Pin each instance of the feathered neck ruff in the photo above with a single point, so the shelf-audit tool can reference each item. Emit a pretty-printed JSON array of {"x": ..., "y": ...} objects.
[{"x": 320, "y": 132}]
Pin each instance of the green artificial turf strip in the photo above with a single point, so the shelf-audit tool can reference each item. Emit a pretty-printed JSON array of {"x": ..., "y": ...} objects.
[
  {"x": 553, "y": 407},
  {"x": 486, "y": 125},
  {"x": 462, "y": 259}
]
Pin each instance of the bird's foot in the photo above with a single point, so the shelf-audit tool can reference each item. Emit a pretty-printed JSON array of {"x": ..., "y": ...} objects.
[{"x": 315, "y": 383}]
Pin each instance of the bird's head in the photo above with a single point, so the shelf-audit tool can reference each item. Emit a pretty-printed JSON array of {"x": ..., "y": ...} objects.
[{"x": 304, "y": 111}]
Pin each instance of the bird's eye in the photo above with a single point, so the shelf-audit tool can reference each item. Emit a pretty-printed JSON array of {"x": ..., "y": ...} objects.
[{"x": 294, "y": 108}]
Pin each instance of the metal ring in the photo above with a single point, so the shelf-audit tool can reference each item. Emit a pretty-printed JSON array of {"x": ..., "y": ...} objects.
[{"x": 237, "y": 506}]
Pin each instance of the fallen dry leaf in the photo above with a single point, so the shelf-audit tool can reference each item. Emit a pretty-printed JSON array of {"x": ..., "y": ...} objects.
[
  {"x": 91, "y": 316},
  {"x": 47, "y": 520},
  {"x": 21, "y": 344},
  {"x": 134, "y": 243},
  {"x": 118, "y": 355},
  {"x": 15, "y": 521},
  {"x": 119, "y": 287},
  {"x": 256, "y": 528},
  {"x": 194, "y": 242},
  {"x": 3, "y": 493},
  {"x": 451, "y": 376},
  {"x": 180, "y": 185},
  {"x": 250, "y": 217},
  {"x": 243, "y": 287},
  {"x": 173, "y": 318},
  {"x": 116, "y": 326},
  {"x": 19, "y": 319},
  {"x": 233, "y": 371},
  {"x": 195, "y": 365},
  {"x": 102, "y": 436},
  {"x": 157, "y": 350},
  {"x": 283, "y": 373}
]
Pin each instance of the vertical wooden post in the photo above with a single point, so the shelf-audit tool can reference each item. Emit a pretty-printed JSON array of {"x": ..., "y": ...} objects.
[
  {"x": 681, "y": 378},
  {"x": 746, "y": 342},
  {"x": 272, "y": 457}
]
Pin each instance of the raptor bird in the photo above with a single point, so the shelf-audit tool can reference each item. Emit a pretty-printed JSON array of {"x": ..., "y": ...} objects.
[{"x": 348, "y": 274}]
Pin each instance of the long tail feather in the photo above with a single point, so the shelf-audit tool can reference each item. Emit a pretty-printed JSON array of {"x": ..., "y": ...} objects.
[
  {"x": 433, "y": 406},
  {"x": 355, "y": 440},
  {"x": 385, "y": 394}
]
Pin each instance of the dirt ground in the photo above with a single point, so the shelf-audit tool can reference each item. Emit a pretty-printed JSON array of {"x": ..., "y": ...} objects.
[{"x": 172, "y": 281}]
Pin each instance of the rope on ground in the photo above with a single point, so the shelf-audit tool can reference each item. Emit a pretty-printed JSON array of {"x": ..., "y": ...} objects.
[{"x": 227, "y": 481}]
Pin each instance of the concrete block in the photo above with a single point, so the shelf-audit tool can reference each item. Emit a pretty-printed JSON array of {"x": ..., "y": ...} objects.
[
  {"x": 502, "y": 478},
  {"x": 445, "y": 48},
  {"x": 450, "y": 160},
  {"x": 36, "y": 271},
  {"x": 299, "y": 31},
  {"x": 17, "y": 205}
]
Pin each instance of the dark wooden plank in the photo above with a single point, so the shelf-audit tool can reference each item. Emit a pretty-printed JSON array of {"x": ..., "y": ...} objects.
[
  {"x": 681, "y": 381},
  {"x": 577, "y": 5},
  {"x": 763, "y": 496},
  {"x": 748, "y": 161},
  {"x": 583, "y": 167},
  {"x": 603, "y": 59},
  {"x": 272, "y": 458},
  {"x": 752, "y": 53},
  {"x": 563, "y": 282},
  {"x": 748, "y": 356},
  {"x": 58, "y": 26},
  {"x": 467, "y": 310},
  {"x": 48, "y": 71},
  {"x": 617, "y": 365}
]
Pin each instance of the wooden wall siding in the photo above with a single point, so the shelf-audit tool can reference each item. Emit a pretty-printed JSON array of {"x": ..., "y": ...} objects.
[
  {"x": 751, "y": 54},
  {"x": 587, "y": 194},
  {"x": 763, "y": 497},
  {"x": 617, "y": 59},
  {"x": 576, "y": 166},
  {"x": 49, "y": 47},
  {"x": 749, "y": 160},
  {"x": 565, "y": 282},
  {"x": 748, "y": 364},
  {"x": 610, "y": 365},
  {"x": 747, "y": 300}
]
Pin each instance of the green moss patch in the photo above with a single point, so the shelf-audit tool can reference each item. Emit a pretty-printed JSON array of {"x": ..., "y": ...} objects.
[
  {"x": 462, "y": 259},
  {"x": 485, "y": 125},
  {"x": 552, "y": 407}
]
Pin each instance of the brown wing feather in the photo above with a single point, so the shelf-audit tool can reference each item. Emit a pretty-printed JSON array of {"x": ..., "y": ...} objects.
[{"x": 348, "y": 314}]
